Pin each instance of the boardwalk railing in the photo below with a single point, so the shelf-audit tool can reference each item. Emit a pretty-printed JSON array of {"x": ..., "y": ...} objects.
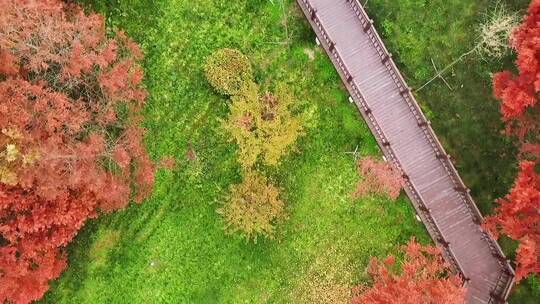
[{"x": 500, "y": 291}]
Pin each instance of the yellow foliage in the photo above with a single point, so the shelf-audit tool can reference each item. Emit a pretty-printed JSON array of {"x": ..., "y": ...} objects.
[
  {"x": 11, "y": 156},
  {"x": 228, "y": 71},
  {"x": 7, "y": 158},
  {"x": 328, "y": 280},
  {"x": 11, "y": 153},
  {"x": 252, "y": 207},
  {"x": 7, "y": 176},
  {"x": 263, "y": 126}
]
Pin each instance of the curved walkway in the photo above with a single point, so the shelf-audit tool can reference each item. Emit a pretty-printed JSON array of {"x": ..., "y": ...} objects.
[{"x": 406, "y": 138}]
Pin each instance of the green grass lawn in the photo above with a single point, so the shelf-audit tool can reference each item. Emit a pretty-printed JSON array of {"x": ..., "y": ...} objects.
[{"x": 172, "y": 248}]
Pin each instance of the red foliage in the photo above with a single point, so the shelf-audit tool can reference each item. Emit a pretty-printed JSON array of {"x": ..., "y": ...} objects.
[
  {"x": 378, "y": 178},
  {"x": 36, "y": 230},
  {"x": 65, "y": 155},
  {"x": 516, "y": 95},
  {"x": 424, "y": 279},
  {"x": 519, "y": 92},
  {"x": 25, "y": 282},
  {"x": 518, "y": 216}
]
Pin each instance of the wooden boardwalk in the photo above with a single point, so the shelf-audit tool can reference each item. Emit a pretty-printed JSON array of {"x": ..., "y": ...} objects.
[{"x": 406, "y": 138}]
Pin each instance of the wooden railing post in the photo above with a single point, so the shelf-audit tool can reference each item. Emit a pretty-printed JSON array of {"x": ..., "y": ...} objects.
[
  {"x": 443, "y": 242},
  {"x": 313, "y": 14},
  {"x": 424, "y": 209},
  {"x": 404, "y": 91},
  {"x": 368, "y": 25},
  {"x": 332, "y": 46},
  {"x": 422, "y": 124},
  {"x": 441, "y": 156},
  {"x": 386, "y": 57},
  {"x": 462, "y": 189}
]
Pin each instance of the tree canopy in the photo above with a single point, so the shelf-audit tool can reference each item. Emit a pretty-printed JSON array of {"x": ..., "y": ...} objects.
[
  {"x": 70, "y": 142},
  {"x": 424, "y": 278},
  {"x": 518, "y": 214}
]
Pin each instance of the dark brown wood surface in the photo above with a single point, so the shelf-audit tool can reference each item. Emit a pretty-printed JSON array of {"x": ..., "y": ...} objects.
[{"x": 406, "y": 138}]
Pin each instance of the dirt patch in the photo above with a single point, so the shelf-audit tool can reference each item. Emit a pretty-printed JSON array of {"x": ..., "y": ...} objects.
[
  {"x": 101, "y": 247},
  {"x": 310, "y": 53}
]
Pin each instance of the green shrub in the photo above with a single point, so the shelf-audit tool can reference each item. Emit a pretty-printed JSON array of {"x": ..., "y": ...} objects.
[
  {"x": 228, "y": 71},
  {"x": 253, "y": 207}
]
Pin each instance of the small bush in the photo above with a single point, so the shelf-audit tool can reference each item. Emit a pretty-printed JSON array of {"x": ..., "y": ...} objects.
[
  {"x": 228, "y": 71},
  {"x": 378, "y": 178},
  {"x": 263, "y": 126},
  {"x": 253, "y": 207}
]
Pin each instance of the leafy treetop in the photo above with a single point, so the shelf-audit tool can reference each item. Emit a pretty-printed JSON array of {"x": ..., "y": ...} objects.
[
  {"x": 253, "y": 207},
  {"x": 70, "y": 144},
  {"x": 424, "y": 278},
  {"x": 518, "y": 214}
]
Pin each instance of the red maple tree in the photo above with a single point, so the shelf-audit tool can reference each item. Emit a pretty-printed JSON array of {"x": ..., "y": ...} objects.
[
  {"x": 378, "y": 177},
  {"x": 70, "y": 142},
  {"x": 518, "y": 214},
  {"x": 519, "y": 93},
  {"x": 424, "y": 278}
]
